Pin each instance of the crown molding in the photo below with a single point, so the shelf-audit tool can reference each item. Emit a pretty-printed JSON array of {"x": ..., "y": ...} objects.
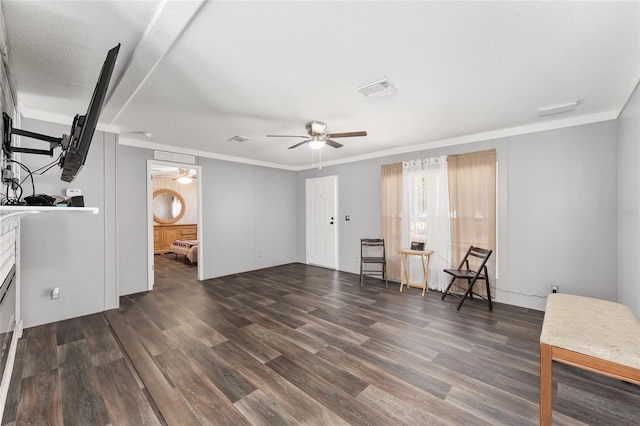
[{"x": 199, "y": 153}]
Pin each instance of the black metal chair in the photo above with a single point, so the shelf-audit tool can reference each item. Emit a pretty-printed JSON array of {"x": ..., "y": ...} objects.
[
  {"x": 372, "y": 252},
  {"x": 464, "y": 272}
]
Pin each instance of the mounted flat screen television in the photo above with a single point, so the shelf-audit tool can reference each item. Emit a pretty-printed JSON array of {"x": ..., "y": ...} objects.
[{"x": 83, "y": 127}]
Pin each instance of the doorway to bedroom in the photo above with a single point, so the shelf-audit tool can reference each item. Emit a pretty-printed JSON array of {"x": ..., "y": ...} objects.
[{"x": 174, "y": 218}]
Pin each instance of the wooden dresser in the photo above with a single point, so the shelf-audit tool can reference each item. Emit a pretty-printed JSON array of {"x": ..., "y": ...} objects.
[{"x": 164, "y": 235}]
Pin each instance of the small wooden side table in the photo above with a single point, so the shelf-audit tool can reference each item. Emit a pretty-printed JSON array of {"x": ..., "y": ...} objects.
[{"x": 424, "y": 258}]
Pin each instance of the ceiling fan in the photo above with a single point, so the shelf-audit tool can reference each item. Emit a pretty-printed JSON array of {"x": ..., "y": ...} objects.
[
  {"x": 185, "y": 176},
  {"x": 317, "y": 138}
]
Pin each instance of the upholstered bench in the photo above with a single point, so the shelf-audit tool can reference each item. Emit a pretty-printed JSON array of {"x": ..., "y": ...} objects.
[{"x": 596, "y": 335}]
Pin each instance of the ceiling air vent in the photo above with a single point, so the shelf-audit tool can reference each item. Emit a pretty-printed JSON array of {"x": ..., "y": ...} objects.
[
  {"x": 238, "y": 139},
  {"x": 174, "y": 157},
  {"x": 557, "y": 109},
  {"x": 377, "y": 89}
]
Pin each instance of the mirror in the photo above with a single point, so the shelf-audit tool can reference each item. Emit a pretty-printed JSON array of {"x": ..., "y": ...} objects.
[{"x": 168, "y": 206}]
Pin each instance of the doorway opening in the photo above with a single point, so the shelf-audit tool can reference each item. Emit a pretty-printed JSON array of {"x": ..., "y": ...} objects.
[{"x": 174, "y": 218}]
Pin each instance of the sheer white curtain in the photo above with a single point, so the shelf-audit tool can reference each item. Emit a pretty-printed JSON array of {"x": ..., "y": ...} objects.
[{"x": 425, "y": 216}]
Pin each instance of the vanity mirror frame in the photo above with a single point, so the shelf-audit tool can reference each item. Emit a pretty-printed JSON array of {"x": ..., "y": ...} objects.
[{"x": 182, "y": 210}]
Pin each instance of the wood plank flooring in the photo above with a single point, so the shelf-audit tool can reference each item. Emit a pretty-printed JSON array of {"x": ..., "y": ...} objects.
[
  {"x": 74, "y": 372},
  {"x": 297, "y": 344}
]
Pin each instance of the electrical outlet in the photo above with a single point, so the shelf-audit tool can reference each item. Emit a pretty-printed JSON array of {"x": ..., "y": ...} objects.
[
  {"x": 55, "y": 293},
  {"x": 355, "y": 260},
  {"x": 555, "y": 289},
  {"x": 259, "y": 254},
  {"x": 73, "y": 192},
  {"x": 7, "y": 175}
]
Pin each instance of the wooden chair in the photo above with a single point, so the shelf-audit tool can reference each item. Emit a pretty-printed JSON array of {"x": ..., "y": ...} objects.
[
  {"x": 372, "y": 252},
  {"x": 464, "y": 272}
]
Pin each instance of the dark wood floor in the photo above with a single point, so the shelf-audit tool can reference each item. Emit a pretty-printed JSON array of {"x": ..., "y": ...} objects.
[{"x": 297, "y": 344}]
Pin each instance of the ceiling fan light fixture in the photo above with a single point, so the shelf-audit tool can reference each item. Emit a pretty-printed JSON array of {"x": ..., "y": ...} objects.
[
  {"x": 316, "y": 144},
  {"x": 184, "y": 176}
]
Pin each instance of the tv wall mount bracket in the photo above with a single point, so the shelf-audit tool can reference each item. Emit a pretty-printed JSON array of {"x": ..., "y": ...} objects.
[{"x": 9, "y": 131}]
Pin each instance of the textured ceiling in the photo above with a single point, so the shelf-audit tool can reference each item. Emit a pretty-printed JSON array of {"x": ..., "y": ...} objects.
[{"x": 195, "y": 74}]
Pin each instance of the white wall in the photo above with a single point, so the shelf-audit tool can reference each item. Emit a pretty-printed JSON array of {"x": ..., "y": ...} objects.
[
  {"x": 628, "y": 208},
  {"x": 75, "y": 251},
  {"x": 553, "y": 190}
]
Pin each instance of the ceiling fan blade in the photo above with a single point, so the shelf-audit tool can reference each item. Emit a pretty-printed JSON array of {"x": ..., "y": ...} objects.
[
  {"x": 286, "y": 136},
  {"x": 347, "y": 134},
  {"x": 333, "y": 143},
  {"x": 298, "y": 144}
]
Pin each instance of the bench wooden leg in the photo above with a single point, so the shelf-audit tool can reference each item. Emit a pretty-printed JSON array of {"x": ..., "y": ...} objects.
[{"x": 545, "y": 384}]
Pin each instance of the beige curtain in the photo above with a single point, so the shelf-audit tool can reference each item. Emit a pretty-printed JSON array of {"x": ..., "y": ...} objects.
[
  {"x": 472, "y": 203},
  {"x": 391, "y": 197}
]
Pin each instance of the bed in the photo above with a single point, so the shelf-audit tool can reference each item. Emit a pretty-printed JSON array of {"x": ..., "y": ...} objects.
[{"x": 186, "y": 248}]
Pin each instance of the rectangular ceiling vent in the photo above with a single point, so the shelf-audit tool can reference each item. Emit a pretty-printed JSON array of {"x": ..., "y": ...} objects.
[
  {"x": 557, "y": 109},
  {"x": 238, "y": 139},
  {"x": 174, "y": 157},
  {"x": 377, "y": 89}
]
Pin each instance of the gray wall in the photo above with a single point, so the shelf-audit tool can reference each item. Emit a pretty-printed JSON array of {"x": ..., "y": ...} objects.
[
  {"x": 358, "y": 197},
  {"x": 249, "y": 216},
  {"x": 275, "y": 217},
  {"x": 628, "y": 209},
  {"x": 228, "y": 203},
  {"x": 249, "y": 222},
  {"x": 246, "y": 210},
  {"x": 72, "y": 250},
  {"x": 553, "y": 191},
  {"x": 561, "y": 185},
  {"x": 132, "y": 221}
]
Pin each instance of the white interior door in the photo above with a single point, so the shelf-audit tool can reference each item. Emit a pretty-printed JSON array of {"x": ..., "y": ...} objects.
[{"x": 322, "y": 221}]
